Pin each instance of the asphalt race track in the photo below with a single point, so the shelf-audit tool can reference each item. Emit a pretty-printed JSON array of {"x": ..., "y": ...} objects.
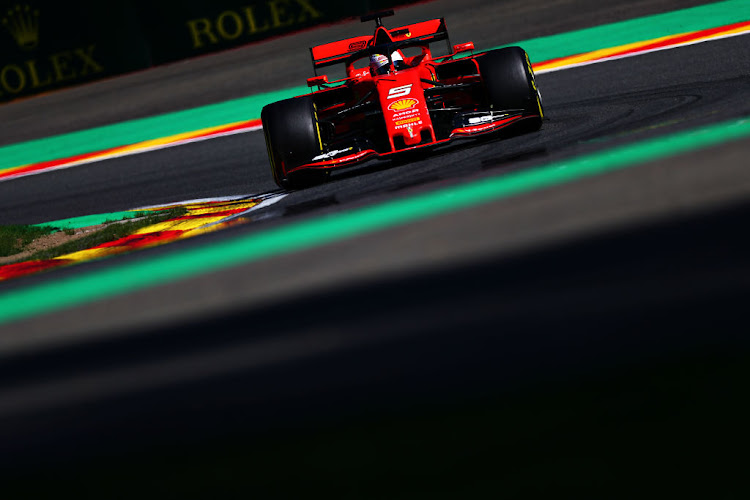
[{"x": 589, "y": 337}]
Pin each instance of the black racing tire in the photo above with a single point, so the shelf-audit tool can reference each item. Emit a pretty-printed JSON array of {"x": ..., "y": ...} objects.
[
  {"x": 510, "y": 84},
  {"x": 293, "y": 139}
]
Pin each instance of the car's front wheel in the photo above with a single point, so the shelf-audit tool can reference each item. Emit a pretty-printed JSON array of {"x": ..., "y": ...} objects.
[
  {"x": 293, "y": 139},
  {"x": 510, "y": 83}
]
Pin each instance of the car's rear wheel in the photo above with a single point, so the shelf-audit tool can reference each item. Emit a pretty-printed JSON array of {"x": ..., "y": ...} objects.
[
  {"x": 293, "y": 139},
  {"x": 510, "y": 83}
]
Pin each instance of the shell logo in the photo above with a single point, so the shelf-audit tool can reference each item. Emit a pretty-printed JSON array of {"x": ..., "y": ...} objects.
[{"x": 403, "y": 104}]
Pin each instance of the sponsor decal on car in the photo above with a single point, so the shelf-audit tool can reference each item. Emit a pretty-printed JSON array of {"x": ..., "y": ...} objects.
[
  {"x": 409, "y": 120},
  {"x": 492, "y": 116},
  {"x": 354, "y": 46},
  {"x": 403, "y": 104},
  {"x": 409, "y": 124},
  {"x": 480, "y": 128},
  {"x": 402, "y": 114},
  {"x": 397, "y": 92},
  {"x": 481, "y": 119},
  {"x": 331, "y": 154}
]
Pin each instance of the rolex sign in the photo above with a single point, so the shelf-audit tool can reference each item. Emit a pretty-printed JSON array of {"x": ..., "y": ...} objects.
[
  {"x": 52, "y": 44},
  {"x": 178, "y": 29}
]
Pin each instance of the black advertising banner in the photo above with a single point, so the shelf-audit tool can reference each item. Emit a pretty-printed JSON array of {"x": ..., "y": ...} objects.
[
  {"x": 177, "y": 29},
  {"x": 51, "y": 44}
]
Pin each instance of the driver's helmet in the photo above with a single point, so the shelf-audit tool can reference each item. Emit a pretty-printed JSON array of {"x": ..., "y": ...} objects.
[{"x": 380, "y": 65}]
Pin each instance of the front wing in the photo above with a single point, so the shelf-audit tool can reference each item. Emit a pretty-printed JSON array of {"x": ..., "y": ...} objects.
[{"x": 349, "y": 157}]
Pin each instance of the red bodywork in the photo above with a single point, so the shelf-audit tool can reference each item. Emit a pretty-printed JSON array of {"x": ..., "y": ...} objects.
[{"x": 425, "y": 102}]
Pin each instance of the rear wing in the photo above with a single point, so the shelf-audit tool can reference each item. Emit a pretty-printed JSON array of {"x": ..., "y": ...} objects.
[
  {"x": 413, "y": 34},
  {"x": 335, "y": 52}
]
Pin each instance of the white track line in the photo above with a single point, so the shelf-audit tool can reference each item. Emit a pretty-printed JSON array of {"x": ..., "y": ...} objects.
[
  {"x": 639, "y": 53},
  {"x": 122, "y": 154}
]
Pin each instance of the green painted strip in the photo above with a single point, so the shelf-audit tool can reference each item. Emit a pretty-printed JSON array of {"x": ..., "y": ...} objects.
[
  {"x": 76, "y": 290},
  {"x": 134, "y": 131},
  {"x": 90, "y": 220},
  {"x": 637, "y": 30},
  {"x": 540, "y": 49}
]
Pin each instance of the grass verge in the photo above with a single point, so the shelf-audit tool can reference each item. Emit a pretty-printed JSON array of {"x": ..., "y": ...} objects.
[
  {"x": 13, "y": 239},
  {"x": 16, "y": 239}
]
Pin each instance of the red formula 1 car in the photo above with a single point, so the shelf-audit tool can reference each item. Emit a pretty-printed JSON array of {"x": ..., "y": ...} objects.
[{"x": 397, "y": 96}]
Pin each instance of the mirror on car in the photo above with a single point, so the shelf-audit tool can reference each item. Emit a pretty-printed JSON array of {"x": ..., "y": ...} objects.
[
  {"x": 317, "y": 80},
  {"x": 463, "y": 47}
]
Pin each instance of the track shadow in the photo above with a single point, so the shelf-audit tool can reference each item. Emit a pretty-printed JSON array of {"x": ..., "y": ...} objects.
[{"x": 621, "y": 356}]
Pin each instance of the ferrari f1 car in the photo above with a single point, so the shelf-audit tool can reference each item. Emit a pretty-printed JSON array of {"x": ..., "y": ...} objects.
[{"x": 397, "y": 96}]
